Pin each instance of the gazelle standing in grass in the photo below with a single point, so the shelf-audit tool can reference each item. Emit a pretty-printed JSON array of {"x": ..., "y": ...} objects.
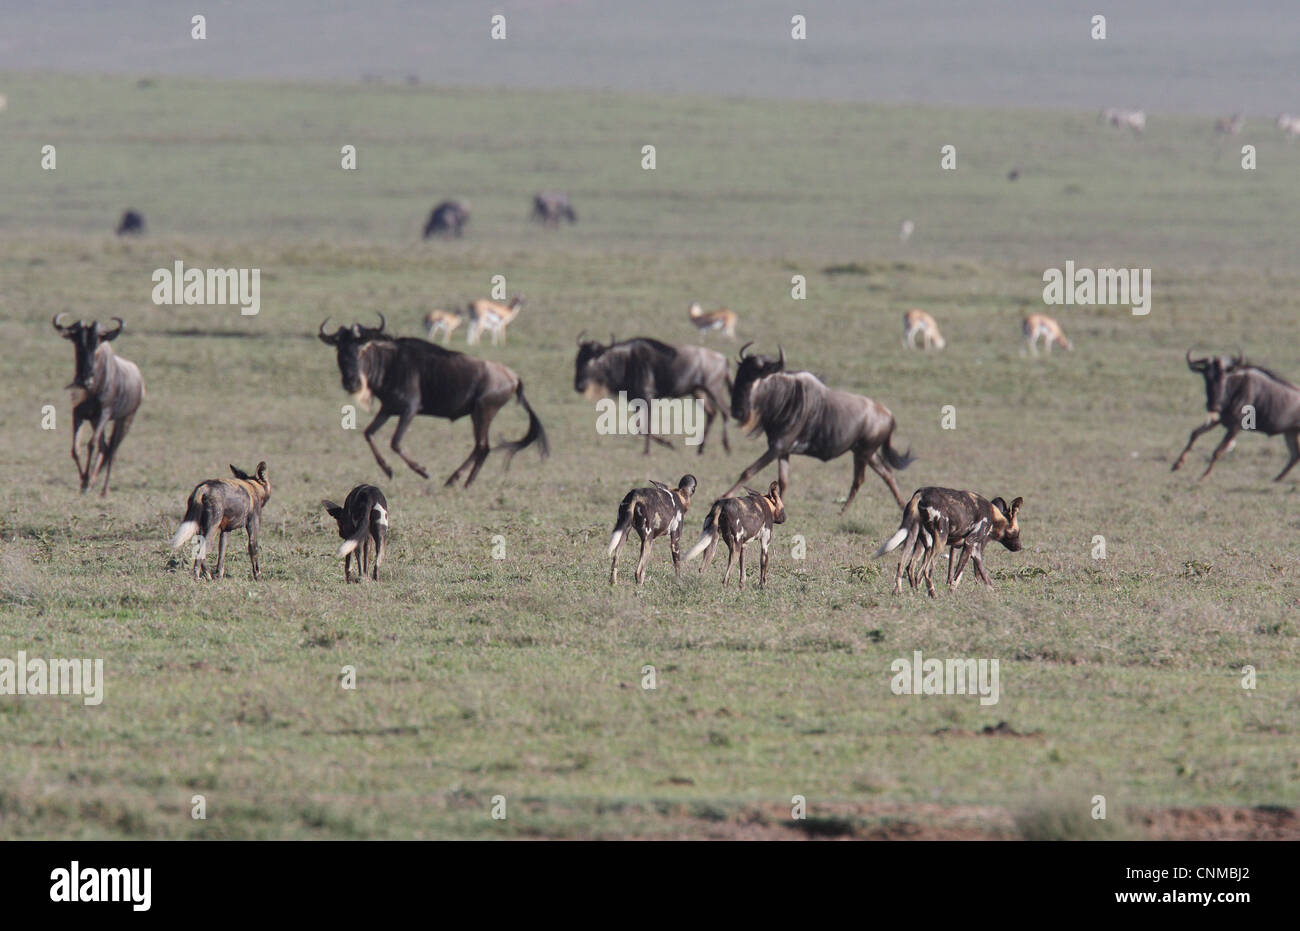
[
  {"x": 442, "y": 322},
  {"x": 1041, "y": 326},
  {"x": 493, "y": 317},
  {"x": 919, "y": 322},
  {"x": 720, "y": 319}
]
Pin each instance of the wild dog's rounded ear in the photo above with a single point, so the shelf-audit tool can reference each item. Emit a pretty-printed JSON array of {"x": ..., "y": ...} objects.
[
  {"x": 774, "y": 489},
  {"x": 261, "y": 470},
  {"x": 1015, "y": 505},
  {"x": 688, "y": 483},
  {"x": 999, "y": 503}
]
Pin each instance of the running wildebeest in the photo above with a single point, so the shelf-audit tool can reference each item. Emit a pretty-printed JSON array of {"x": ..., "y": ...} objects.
[
  {"x": 651, "y": 512},
  {"x": 218, "y": 506},
  {"x": 736, "y": 521},
  {"x": 803, "y": 417},
  {"x": 550, "y": 207},
  {"x": 939, "y": 517},
  {"x": 107, "y": 389},
  {"x": 411, "y": 377},
  {"x": 362, "y": 520},
  {"x": 131, "y": 224},
  {"x": 1240, "y": 396},
  {"x": 648, "y": 369},
  {"x": 447, "y": 219}
]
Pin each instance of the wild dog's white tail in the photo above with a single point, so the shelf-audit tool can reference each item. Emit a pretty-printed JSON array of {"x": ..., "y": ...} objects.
[
  {"x": 893, "y": 542},
  {"x": 626, "y": 511},
  {"x": 187, "y": 529},
  {"x": 615, "y": 539},
  {"x": 709, "y": 535},
  {"x": 382, "y": 519}
]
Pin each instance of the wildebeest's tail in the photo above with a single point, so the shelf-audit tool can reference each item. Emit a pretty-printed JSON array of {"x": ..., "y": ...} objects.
[
  {"x": 190, "y": 525},
  {"x": 709, "y": 536},
  {"x": 892, "y": 457},
  {"x": 536, "y": 432},
  {"x": 626, "y": 511}
]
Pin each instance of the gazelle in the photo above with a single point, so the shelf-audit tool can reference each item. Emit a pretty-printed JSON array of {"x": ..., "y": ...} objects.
[
  {"x": 493, "y": 317},
  {"x": 720, "y": 319},
  {"x": 1041, "y": 326},
  {"x": 919, "y": 322},
  {"x": 442, "y": 322}
]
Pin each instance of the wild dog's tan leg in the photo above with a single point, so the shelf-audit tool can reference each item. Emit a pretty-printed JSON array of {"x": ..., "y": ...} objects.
[
  {"x": 765, "y": 542},
  {"x": 978, "y": 559},
  {"x": 905, "y": 558},
  {"x": 731, "y": 558},
  {"x": 741, "y": 546},
  {"x": 675, "y": 543},
  {"x": 647, "y": 541},
  {"x": 254, "y": 522},
  {"x": 221, "y": 555}
]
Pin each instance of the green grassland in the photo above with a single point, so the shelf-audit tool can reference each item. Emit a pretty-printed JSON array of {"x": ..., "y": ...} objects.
[{"x": 521, "y": 676}]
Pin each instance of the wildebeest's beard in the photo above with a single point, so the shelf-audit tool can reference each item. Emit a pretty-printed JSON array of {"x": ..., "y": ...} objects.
[
  {"x": 86, "y": 342},
  {"x": 752, "y": 370},
  {"x": 588, "y": 352}
]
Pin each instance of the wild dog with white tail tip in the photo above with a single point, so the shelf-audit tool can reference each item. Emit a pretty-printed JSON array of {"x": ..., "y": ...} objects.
[
  {"x": 218, "y": 506},
  {"x": 736, "y": 521},
  {"x": 939, "y": 517},
  {"x": 362, "y": 520},
  {"x": 651, "y": 512}
]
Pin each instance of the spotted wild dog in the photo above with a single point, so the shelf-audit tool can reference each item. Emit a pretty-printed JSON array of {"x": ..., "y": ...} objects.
[
  {"x": 362, "y": 520},
  {"x": 1041, "y": 326},
  {"x": 939, "y": 517},
  {"x": 651, "y": 512},
  {"x": 219, "y": 506},
  {"x": 441, "y": 322},
  {"x": 720, "y": 319},
  {"x": 918, "y": 322},
  {"x": 736, "y": 521}
]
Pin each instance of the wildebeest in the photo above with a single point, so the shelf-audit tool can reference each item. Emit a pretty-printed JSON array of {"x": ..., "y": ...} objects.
[
  {"x": 1240, "y": 396},
  {"x": 411, "y": 377},
  {"x": 131, "y": 224},
  {"x": 1041, "y": 326},
  {"x": 919, "y": 323},
  {"x": 107, "y": 390},
  {"x": 550, "y": 207},
  {"x": 736, "y": 521},
  {"x": 362, "y": 520},
  {"x": 651, "y": 512},
  {"x": 218, "y": 506},
  {"x": 803, "y": 417},
  {"x": 649, "y": 369},
  {"x": 720, "y": 319},
  {"x": 447, "y": 219},
  {"x": 939, "y": 517}
]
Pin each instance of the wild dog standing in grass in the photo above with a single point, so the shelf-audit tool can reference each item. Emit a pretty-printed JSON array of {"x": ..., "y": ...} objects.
[
  {"x": 651, "y": 512},
  {"x": 219, "y": 506},
  {"x": 362, "y": 519},
  {"x": 1041, "y": 326},
  {"x": 107, "y": 390},
  {"x": 720, "y": 319},
  {"x": 939, "y": 517},
  {"x": 919, "y": 322},
  {"x": 736, "y": 521}
]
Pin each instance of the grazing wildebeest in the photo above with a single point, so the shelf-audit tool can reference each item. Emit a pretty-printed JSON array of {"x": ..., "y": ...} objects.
[
  {"x": 651, "y": 512},
  {"x": 447, "y": 219},
  {"x": 362, "y": 520},
  {"x": 736, "y": 521},
  {"x": 550, "y": 207},
  {"x": 219, "y": 506},
  {"x": 107, "y": 389},
  {"x": 413, "y": 376},
  {"x": 131, "y": 224},
  {"x": 939, "y": 517},
  {"x": 1240, "y": 396},
  {"x": 648, "y": 369},
  {"x": 803, "y": 417}
]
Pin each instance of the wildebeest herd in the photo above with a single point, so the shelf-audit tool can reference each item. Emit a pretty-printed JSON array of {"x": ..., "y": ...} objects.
[{"x": 798, "y": 413}]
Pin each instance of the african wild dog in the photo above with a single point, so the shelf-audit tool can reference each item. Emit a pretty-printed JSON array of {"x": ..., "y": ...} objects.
[
  {"x": 107, "y": 391},
  {"x": 219, "y": 506},
  {"x": 736, "y": 521},
  {"x": 939, "y": 517},
  {"x": 362, "y": 520},
  {"x": 651, "y": 512}
]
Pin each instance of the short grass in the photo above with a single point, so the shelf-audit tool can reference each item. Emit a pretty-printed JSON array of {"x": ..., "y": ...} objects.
[{"x": 522, "y": 676}]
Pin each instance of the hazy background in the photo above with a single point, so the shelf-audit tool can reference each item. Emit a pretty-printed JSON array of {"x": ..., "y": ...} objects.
[{"x": 1191, "y": 56}]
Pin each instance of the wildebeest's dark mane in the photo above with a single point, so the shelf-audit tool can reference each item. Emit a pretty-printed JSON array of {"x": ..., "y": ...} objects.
[
  {"x": 1269, "y": 373},
  {"x": 669, "y": 351},
  {"x": 785, "y": 401}
]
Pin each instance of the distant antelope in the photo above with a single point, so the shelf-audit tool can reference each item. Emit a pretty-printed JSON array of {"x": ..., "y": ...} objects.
[
  {"x": 1041, "y": 326},
  {"x": 218, "y": 506},
  {"x": 107, "y": 391},
  {"x": 720, "y": 319},
  {"x": 442, "y": 322},
  {"x": 1135, "y": 120},
  {"x": 1229, "y": 125},
  {"x": 918, "y": 322},
  {"x": 1289, "y": 125},
  {"x": 493, "y": 317}
]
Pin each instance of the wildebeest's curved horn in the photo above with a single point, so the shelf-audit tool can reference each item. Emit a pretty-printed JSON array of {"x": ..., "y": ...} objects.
[
  {"x": 580, "y": 336},
  {"x": 58, "y": 326},
  {"x": 382, "y": 322},
  {"x": 1190, "y": 361},
  {"x": 121, "y": 325},
  {"x": 741, "y": 356},
  {"x": 780, "y": 355},
  {"x": 325, "y": 337}
]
